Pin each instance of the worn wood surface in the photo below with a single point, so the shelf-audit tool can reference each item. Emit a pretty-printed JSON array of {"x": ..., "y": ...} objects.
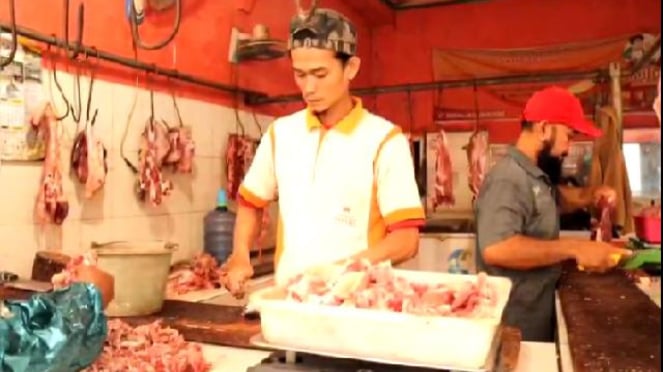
[
  {"x": 611, "y": 324},
  {"x": 199, "y": 322},
  {"x": 46, "y": 264}
]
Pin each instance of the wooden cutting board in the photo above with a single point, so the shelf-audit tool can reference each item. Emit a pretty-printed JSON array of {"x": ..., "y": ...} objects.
[{"x": 199, "y": 322}]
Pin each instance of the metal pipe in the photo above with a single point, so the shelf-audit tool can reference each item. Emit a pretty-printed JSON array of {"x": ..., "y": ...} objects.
[
  {"x": 131, "y": 63},
  {"x": 446, "y": 84},
  {"x": 433, "y": 4}
]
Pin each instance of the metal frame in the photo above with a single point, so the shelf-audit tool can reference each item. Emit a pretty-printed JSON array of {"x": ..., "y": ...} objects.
[
  {"x": 596, "y": 75},
  {"x": 393, "y": 6},
  {"x": 249, "y": 95}
]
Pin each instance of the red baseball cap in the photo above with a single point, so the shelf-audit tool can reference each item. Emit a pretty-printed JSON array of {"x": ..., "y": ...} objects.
[{"x": 559, "y": 106}]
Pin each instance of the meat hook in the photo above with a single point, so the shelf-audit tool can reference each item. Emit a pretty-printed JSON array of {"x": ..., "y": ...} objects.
[
  {"x": 409, "y": 107},
  {"x": 79, "y": 37},
  {"x": 476, "y": 108},
  {"x": 133, "y": 23},
  {"x": 305, "y": 14},
  {"x": 89, "y": 93},
  {"x": 12, "y": 53},
  {"x": 57, "y": 84}
]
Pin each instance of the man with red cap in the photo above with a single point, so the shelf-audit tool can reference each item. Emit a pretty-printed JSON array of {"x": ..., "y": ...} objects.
[{"x": 517, "y": 214}]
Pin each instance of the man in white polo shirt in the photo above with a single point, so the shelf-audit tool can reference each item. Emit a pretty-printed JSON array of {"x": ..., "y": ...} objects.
[{"x": 344, "y": 177}]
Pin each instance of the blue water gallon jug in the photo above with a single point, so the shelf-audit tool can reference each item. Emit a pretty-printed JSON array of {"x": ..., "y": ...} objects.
[{"x": 219, "y": 225}]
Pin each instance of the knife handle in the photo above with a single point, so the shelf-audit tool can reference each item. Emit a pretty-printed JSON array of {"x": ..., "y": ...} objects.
[{"x": 615, "y": 257}]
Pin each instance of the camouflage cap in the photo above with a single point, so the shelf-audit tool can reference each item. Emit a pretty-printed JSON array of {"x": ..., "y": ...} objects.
[{"x": 325, "y": 29}]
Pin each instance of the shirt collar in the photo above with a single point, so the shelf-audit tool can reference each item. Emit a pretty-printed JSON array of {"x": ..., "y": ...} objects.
[
  {"x": 526, "y": 163},
  {"x": 346, "y": 125}
]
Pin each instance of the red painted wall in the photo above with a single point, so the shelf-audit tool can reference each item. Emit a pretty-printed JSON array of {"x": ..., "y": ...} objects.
[
  {"x": 403, "y": 53},
  {"x": 391, "y": 54},
  {"x": 201, "y": 44}
]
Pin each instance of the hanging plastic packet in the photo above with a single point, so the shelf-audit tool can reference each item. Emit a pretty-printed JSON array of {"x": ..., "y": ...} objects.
[{"x": 63, "y": 330}]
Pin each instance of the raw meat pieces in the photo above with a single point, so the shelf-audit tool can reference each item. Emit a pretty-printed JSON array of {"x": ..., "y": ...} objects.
[
  {"x": 443, "y": 188},
  {"x": 476, "y": 156},
  {"x": 202, "y": 273},
  {"x": 362, "y": 285},
  {"x": 68, "y": 275},
  {"x": 148, "y": 348}
]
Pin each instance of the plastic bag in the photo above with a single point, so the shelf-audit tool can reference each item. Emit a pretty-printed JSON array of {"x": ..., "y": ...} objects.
[{"x": 60, "y": 331}]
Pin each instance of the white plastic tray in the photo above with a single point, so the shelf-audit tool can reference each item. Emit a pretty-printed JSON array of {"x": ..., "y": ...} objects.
[{"x": 385, "y": 336}]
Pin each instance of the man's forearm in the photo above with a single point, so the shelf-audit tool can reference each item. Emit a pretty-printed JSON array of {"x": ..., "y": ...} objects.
[
  {"x": 523, "y": 253},
  {"x": 574, "y": 198},
  {"x": 246, "y": 230},
  {"x": 397, "y": 246}
]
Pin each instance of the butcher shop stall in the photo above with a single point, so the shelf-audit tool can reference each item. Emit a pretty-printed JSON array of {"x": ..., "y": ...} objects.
[{"x": 127, "y": 129}]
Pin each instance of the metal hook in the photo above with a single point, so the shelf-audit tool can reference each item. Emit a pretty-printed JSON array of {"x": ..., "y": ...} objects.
[
  {"x": 133, "y": 23},
  {"x": 305, "y": 14},
  {"x": 12, "y": 53},
  {"x": 476, "y": 106},
  {"x": 79, "y": 37},
  {"x": 89, "y": 93},
  {"x": 57, "y": 85}
]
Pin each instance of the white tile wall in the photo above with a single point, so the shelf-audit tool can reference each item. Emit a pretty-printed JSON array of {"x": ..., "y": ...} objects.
[{"x": 115, "y": 214}]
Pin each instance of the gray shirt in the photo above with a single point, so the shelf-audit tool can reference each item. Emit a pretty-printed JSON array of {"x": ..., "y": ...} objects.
[{"x": 517, "y": 198}]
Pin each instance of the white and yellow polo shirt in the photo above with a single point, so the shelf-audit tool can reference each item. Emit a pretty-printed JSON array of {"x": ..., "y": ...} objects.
[{"x": 340, "y": 189}]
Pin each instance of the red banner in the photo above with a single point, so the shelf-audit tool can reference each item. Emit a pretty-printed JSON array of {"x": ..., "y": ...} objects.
[{"x": 506, "y": 101}]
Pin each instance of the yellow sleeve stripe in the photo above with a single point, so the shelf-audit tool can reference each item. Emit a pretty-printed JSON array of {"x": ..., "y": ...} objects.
[{"x": 405, "y": 214}]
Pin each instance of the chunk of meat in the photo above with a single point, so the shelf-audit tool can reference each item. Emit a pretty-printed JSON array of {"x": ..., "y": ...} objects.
[
  {"x": 476, "y": 150},
  {"x": 202, "y": 273},
  {"x": 362, "y": 285},
  {"x": 443, "y": 193},
  {"x": 51, "y": 204},
  {"x": 96, "y": 163}
]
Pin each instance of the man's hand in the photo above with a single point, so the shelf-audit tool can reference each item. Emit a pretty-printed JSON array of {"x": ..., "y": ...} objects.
[
  {"x": 102, "y": 280},
  {"x": 598, "y": 256},
  {"x": 604, "y": 194},
  {"x": 235, "y": 272}
]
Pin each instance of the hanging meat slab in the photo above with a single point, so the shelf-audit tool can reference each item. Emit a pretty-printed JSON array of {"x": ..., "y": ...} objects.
[
  {"x": 477, "y": 150},
  {"x": 443, "y": 188},
  {"x": 51, "y": 205},
  {"x": 78, "y": 161},
  {"x": 97, "y": 168},
  {"x": 182, "y": 150},
  {"x": 239, "y": 155},
  {"x": 152, "y": 187}
]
